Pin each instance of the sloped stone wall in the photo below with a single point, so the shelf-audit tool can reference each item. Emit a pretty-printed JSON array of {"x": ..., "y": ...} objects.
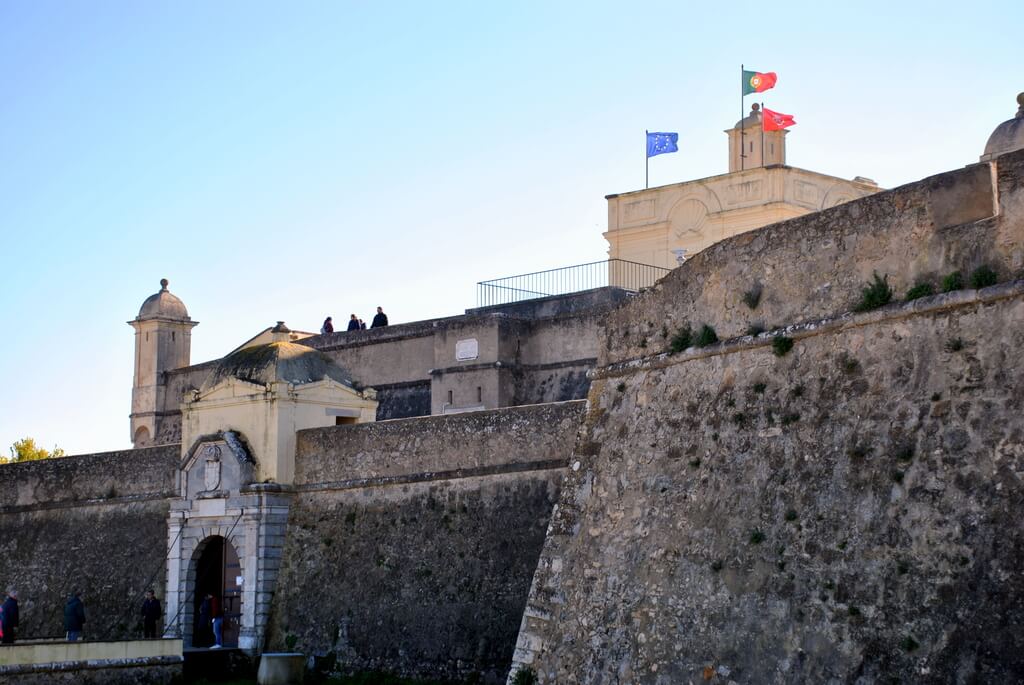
[
  {"x": 97, "y": 522},
  {"x": 411, "y": 543},
  {"x": 847, "y": 512}
]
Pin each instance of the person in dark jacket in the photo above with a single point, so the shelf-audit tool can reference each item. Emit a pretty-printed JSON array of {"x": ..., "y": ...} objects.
[
  {"x": 202, "y": 636},
  {"x": 328, "y": 326},
  {"x": 151, "y": 613},
  {"x": 353, "y": 323},
  {"x": 74, "y": 615},
  {"x": 9, "y": 617},
  {"x": 380, "y": 320}
]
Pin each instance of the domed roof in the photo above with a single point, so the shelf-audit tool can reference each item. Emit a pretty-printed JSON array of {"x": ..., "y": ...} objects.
[
  {"x": 278, "y": 362},
  {"x": 163, "y": 305},
  {"x": 752, "y": 119},
  {"x": 1008, "y": 136}
]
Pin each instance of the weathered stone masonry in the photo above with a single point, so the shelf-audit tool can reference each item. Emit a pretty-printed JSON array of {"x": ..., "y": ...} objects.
[
  {"x": 98, "y": 522},
  {"x": 847, "y": 512},
  {"x": 411, "y": 543}
]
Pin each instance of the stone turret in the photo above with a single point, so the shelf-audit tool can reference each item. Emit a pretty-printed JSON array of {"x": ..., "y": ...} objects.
[
  {"x": 751, "y": 147},
  {"x": 163, "y": 333},
  {"x": 1008, "y": 136}
]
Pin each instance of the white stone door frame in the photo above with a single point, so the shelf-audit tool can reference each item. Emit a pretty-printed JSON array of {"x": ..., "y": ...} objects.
[{"x": 254, "y": 524}]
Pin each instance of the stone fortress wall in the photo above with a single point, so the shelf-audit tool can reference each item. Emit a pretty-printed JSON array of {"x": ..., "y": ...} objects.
[
  {"x": 816, "y": 265},
  {"x": 427, "y": 529},
  {"x": 845, "y": 512},
  {"x": 97, "y": 522},
  {"x": 527, "y": 353},
  {"x": 411, "y": 544}
]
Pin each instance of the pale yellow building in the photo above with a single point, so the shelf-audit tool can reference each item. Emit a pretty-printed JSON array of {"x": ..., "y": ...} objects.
[{"x": 659, "y": 226}]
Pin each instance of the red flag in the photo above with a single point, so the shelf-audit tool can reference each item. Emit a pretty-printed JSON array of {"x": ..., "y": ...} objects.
[{"x": 776, "y": 121}]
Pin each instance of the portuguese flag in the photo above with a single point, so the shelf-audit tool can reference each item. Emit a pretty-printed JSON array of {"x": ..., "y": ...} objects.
[
  {"x": 756, "y": 82},
  {"x": 775, "y": 121}
]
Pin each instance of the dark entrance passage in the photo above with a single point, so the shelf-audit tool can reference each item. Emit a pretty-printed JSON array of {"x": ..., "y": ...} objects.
[{"x": 218, "y": 573}]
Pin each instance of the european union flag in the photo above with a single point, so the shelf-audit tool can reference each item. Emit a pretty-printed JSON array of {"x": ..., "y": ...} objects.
[{"x": 660, "y": 143}]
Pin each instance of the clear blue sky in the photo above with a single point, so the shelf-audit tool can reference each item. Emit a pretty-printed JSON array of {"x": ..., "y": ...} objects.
[{"x": 292, "y": 160}]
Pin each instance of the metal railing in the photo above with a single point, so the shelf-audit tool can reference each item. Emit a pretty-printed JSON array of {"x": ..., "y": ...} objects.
[{"x": 617, "y": 273}]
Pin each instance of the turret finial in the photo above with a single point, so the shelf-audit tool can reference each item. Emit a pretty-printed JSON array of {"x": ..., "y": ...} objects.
[{"x": 163, "y": 283}]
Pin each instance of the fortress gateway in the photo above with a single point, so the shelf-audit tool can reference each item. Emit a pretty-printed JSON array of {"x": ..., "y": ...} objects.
[{"x": 593, "y": 486}]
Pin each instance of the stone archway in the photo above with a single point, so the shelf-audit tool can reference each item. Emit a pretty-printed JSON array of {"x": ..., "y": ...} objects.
[{"x": 215, "y": 571}]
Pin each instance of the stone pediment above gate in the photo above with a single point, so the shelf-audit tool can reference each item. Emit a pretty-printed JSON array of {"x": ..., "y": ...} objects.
[{"x": 216, "y": 466}]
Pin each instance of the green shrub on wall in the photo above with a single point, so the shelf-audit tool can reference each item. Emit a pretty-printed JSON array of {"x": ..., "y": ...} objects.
[
  {"x": 875, "y": 294},
  {"x": 953, "y": 281},
  {"x": 983, "y": 277},
  {"x": 920, "y": 290}
]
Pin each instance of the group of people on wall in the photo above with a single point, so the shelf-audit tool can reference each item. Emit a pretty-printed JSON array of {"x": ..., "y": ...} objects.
[
  {"x": 355, "y": 323},
  {"x": 74, "y": 616}
]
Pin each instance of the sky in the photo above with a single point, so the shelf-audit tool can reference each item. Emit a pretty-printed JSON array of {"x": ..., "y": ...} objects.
[{"x": 286, "y": 161}]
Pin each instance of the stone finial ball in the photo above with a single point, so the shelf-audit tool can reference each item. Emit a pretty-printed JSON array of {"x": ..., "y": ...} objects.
[
  {"x": 755, "y": 107},
  {"x": 1020, "y": 99},
  {"x": 163, "y": 283}
]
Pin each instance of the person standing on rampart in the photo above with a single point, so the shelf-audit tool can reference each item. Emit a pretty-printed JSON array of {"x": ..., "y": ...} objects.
[
  {"x": 328, "y": 326},
  {"x": 151, "y": 613},
  {"x": 74, "y": 615},
  {"x": 380, "y": 320},
  {"x": 353, "y": 323},
  {"x": 9, "y": 616}
]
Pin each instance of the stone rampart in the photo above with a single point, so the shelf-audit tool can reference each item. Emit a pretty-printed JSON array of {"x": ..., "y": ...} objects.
[
  {"x": 428, "y": 448},
  {"x": 846, "y": 512},
  {"x": 130, "y": 662},
  {"x": 97, "y": 522},
  {"x": 411, "y": 543},
  {"x": 143, "y": 473},
  {"x": 816, "y": 265}
]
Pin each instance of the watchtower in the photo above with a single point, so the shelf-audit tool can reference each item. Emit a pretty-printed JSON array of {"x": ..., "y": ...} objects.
[{"x": 163, "y": 334}]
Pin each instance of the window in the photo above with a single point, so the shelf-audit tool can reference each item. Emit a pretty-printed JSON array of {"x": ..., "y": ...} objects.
[
  {"x": 479, "y": 394},
  {"x": 450, "y": 397},
  {"x": 344, "y": 420}
]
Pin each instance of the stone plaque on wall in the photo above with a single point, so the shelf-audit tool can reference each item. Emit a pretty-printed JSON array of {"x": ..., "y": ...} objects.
[
  {"x": 743, "y": 192},
  {"x": 638, "y": 211},
  {"x": 466, "y": 349},
  {"x": 806, "y": 193}
]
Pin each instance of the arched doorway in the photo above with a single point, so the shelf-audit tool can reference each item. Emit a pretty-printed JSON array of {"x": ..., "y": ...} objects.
[{"x": 218, "y": 573}]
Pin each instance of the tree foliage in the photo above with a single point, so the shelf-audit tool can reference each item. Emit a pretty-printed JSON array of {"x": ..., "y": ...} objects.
[{"x": 27, "y": 450}]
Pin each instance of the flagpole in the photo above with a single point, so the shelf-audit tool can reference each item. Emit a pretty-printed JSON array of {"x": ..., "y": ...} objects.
[
  {"x": 647, "y": 163},
  {"x": 742, "y": 127},
  {"x": 762, "y": 134}
]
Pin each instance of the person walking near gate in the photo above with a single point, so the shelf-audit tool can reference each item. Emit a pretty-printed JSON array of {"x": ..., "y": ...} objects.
[
  {"x": 9, "y": 616},
  {"x": 74, "y": 615},
  {"x": 218, "y": 622},
  {"x": 151, "y": 613},
  {"x": 205, "y": 625}
]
